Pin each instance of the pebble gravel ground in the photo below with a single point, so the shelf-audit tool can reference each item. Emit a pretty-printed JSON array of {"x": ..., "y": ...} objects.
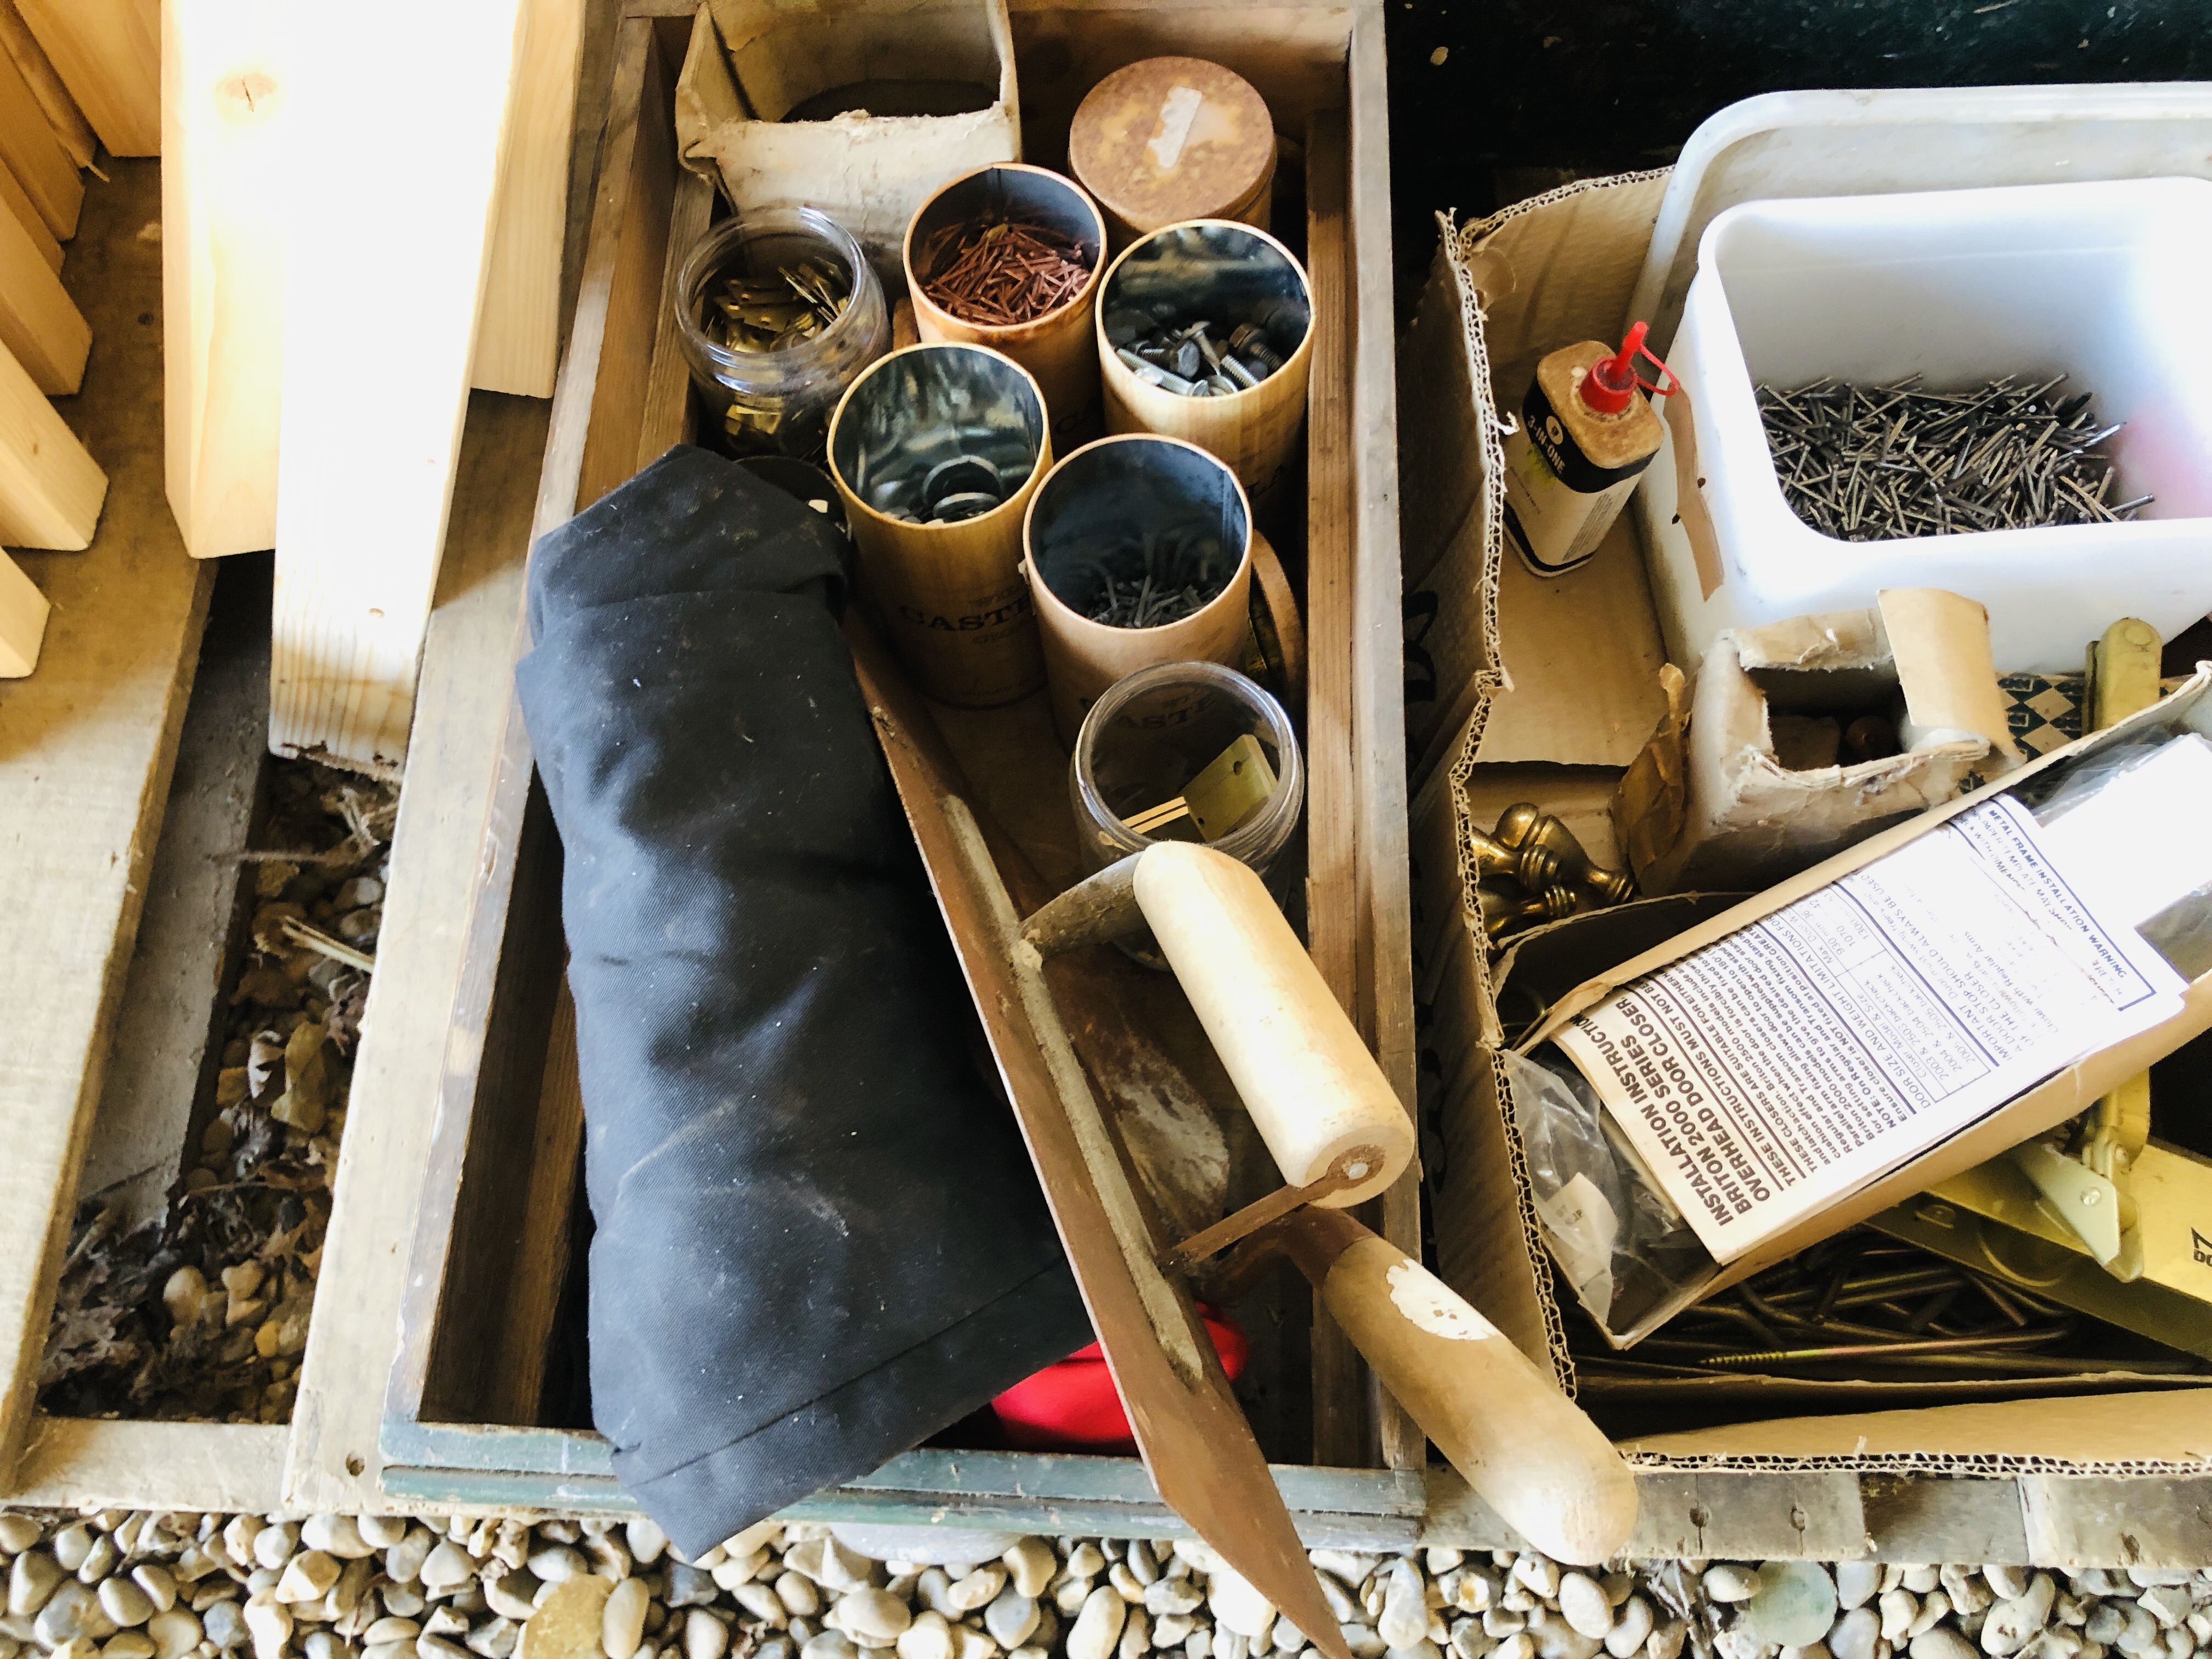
[{"x": 123, "y": 1584}]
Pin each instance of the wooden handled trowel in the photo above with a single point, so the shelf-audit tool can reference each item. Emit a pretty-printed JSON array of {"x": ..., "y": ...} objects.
[{"x": 1314, "y": 1091}]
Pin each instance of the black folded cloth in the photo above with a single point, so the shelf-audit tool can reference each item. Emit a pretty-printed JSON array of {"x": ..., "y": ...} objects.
[{"x": 818, "y": 1237}]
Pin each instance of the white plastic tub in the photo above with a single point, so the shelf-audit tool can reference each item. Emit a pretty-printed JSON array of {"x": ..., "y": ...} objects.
[{"x": 2106, "y": 281}]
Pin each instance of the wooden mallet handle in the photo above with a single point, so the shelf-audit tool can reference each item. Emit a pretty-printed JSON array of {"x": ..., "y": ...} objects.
[{"x": 1525, "y": 1448}]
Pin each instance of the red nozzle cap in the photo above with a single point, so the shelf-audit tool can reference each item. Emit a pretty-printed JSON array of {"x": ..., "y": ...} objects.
[{"x": 1612, "y": 380}]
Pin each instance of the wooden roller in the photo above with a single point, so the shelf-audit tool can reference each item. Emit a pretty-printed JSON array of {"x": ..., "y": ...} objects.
[
  {"x": 1315, "y": 1093},
  {"x": 1525, "y": 1447}
]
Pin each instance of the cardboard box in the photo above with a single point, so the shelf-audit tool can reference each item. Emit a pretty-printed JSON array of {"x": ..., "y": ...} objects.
[
  {"x": 2066, "y": 1094},
  {"x": 1563, "y": 266},
  {"x": 1763, "y": 795},
  {"x": 752, "y": 63}
]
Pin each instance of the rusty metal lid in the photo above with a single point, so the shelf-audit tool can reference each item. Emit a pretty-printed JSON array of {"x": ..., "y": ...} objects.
[{"x": 1172, "y": 138}]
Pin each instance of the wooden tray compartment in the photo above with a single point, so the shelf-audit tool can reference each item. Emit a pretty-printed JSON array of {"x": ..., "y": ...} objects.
[{"x": 480, "y": 1383}]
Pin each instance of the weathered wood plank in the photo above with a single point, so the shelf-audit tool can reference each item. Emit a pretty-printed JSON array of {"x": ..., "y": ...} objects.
[
  {"x": 614, "y": 304},
  {"x": 166, "y": 1035},
  {"x": 1770, "y": 1516},
  {"x": 668, "y": 417},
  {"x": 208, "y": 1467},
  {"x": 2104, "y": 1522},
  {"x": 1929, "y": 1518},
  {"x": 1385, "y": 899},
  {"x": 86, "y": 748},
  {"x": 436, "y": 846},
  {"x": 1340, "y": 1419}
]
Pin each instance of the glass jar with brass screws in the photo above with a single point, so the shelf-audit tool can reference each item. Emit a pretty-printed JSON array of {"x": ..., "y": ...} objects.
[
  {"x": 1531, "y": 870},
  {"x": 779, "y": 312}
]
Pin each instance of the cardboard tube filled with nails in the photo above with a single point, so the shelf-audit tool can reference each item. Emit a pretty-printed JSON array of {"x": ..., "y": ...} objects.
[
  {"x": 1322, "y": 1106},
  {"x": 956, "y": 296},
  {"x": 1140, "y": 552},
  {"x": 1205, "y": 332},
  {"x": 937, "y": 451}
]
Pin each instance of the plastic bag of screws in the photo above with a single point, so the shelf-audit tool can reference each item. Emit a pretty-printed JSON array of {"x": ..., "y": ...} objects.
[
  {"x": 1206, "y": 310},
  {"x": 1878, "y": 463}
]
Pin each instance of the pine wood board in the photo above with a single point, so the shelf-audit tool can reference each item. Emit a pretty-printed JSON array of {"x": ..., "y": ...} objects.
[
  {"x": 35, "y": 157},
  {"x": 51, "y": 487},
  {"x": 518, "y": 334},
  {"x": 16, "y": 202},
  {"x": 86, "y": 747},
  {"x": 40, "y": 324},
  {"x": 63, "y": 115},
  {"x": 23, "y": 612},
  {"x": 368, "y": 440},
  {"x": 226, "y": 124},
  {"x": 109, "y": 53}
]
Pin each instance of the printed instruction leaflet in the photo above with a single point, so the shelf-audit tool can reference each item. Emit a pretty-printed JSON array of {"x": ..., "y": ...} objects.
[{"x": 1777, "y": 1071}]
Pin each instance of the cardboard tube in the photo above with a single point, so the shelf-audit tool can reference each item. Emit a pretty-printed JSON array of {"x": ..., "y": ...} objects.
[
  {"x": 1255, "y": 431},
  {"x": 1312, "y": 1088},
  {"x": 1056, "y": 348},
  {"x": 954, "y": 602},
  {"x": 1137, "y": 478},
  {"x": 1530, "y": 1452}
]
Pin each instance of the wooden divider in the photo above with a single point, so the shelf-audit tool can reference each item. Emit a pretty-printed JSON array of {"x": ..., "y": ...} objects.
[{"x": 468, "y": 791}]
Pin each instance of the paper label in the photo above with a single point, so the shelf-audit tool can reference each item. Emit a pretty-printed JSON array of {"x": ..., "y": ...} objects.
[
  {"x": 1433, "y": 1305},
  {"x": 1177, "y": 110},
  {"x": 1778, "y": 1070},
  {"x": 1584, "y": 1228}
]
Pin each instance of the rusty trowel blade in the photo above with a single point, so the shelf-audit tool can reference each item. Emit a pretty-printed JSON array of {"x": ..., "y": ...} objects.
[{"x": 1196, "y": 1444}]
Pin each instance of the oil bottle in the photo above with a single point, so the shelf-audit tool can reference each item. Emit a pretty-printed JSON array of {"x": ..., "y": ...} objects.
[{"x": 1586, "y": 433}]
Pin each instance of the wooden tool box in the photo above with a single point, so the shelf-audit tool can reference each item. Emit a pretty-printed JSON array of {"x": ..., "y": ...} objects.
[{"x": 492, "y": 1243}]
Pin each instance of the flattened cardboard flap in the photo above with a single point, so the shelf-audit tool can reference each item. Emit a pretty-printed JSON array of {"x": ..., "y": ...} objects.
[
  {"x": 1940, "y": 642},
  {"x": 752, "y": 62},
  {"x": 1767, "y": 794}
]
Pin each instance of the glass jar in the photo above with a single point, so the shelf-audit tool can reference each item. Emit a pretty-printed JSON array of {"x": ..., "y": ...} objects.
[
  {"x": 1149, "y": 737},
  {"x": 777, "y": 402}
]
